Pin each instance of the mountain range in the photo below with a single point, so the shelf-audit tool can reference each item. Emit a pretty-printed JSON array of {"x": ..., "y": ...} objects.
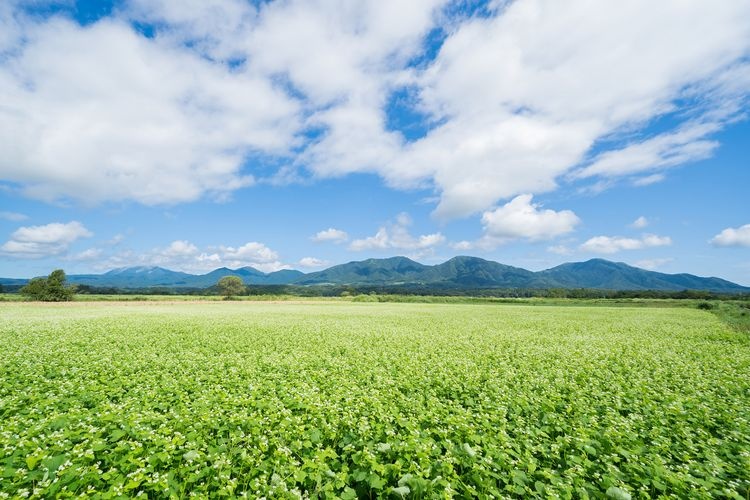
[{"x": 458, "y": 272}]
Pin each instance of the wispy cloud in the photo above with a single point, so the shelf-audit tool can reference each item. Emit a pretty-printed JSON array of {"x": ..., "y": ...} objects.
[
  {"x": 614, "y": 244},
  {"x": 313, "y": 263},
  {"x": 13, "y": 216},
  {"x": 652, "y": 264},
  {"x": 640, "y": 223}
]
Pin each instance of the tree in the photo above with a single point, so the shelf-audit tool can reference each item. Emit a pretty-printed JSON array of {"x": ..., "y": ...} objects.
[
  {"x": 51, "y": 289},
  {"x": 230, "y": 286}
]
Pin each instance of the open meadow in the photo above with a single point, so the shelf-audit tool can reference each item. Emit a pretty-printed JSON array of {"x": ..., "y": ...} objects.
[{"x": 342, "y": 399}]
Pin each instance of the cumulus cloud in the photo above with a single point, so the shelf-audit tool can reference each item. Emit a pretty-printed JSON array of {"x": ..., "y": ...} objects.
[
  {"x": 733, "y": 237},
  {"x": 44, "y": 241},
  {"x": 182, "y": 255},
  {"x": 614, "y": 244},
  {"x": 522, "y": 219},
  {"x": 180, "y": 248},
  {"x": 640, "y": 223},
  {"x": 13, "y": 216},
  {"x": 250, "y": 252},
  {"x": 396, "y": 236},
  {"x": 161, "y": 125},
  {"x": 511, "y": 102},
  {"x": 331, "y": 234},
  {"x": 523, "y": 102}
]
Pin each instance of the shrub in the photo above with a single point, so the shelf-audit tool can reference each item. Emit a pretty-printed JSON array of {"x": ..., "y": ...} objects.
[{"x": 50, "y": 289}]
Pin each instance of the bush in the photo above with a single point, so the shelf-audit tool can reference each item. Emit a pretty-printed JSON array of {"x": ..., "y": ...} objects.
[
  {"x": 50, "y": 289},
  {"x": 707, "y": 306}
]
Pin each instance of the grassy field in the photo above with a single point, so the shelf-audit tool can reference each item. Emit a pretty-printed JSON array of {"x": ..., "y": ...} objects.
[{"x": 342, "y": 399}]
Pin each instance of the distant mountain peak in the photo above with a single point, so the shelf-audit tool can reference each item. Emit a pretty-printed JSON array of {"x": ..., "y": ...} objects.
[{"x": 461, "y": 271}]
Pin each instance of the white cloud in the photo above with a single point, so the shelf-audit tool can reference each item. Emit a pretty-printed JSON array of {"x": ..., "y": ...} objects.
[
  {"x": 513, "y": 101},
  {"x": 462, "y": 245},
  {"x": 652, "y": 264},
  {"x": 733, "y": 237},
  {"x": 640, "y": 223},
  {"x": 521, "y": 219},
  {"x": 559, "y": 250},
  {"x": 313, "y": 262},
  {"x": 43, "y": 241},
  {"x": 396, "y": 236},
  {"x": 115, "y": 240},
  {"x": 523, "y": 101},
  {"x": 180, "y": 248},
  {"x": 331, "y": 234},
  {"x": 13, "y": 216},
  {"x": 665, "y": 150},
  {"x": 182, "y": 255},
  {"x": 163, "y": 125},
  {"x": 648, "y": 180},
  {"x": 614, "y": 244},
  {"x": 89, "y": 254},
  {"x": 251, "y": 252}
]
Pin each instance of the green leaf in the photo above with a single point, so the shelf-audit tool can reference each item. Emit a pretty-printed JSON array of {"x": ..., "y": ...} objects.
[
  {"x": 617, "y": 493},
  {"x": 401, "y": 490},
  {"x": 116, "y": 435}
]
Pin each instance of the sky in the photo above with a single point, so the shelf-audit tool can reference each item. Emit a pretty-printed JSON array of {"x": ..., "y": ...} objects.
[{"x": 196, "y": 134}]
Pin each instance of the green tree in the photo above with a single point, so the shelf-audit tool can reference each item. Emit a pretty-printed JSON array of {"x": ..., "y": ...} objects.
[
  {"x": 230, "y": 286},
  {"x": 51, "y": 289}
]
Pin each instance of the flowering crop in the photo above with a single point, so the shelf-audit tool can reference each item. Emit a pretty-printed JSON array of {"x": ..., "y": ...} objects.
[{"x": 362, "y": 400}]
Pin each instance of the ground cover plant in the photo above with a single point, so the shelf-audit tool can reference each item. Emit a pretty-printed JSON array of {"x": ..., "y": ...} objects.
[{"x": 347, "y": 399}]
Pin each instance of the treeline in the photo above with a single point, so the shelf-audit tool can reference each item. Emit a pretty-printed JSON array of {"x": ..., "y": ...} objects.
[
  {"x": 54, "y": 287},
  {"x": 421, "y": 290}
]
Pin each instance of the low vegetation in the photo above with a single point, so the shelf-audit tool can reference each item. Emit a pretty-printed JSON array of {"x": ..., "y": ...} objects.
[{"x": 342, "y": 399}]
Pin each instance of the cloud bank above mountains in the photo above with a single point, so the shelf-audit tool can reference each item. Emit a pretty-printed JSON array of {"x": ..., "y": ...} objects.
[{"x": 164, "y": 102}]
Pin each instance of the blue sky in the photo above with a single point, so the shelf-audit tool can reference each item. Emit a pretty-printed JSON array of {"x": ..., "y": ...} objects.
[{"x": 194, "y": 135}]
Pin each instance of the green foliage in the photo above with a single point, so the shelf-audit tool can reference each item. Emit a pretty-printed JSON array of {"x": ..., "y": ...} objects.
[
  {"x": 49, "y": 289},
  {"x": 230, "y": 286},
  {"x": 348, "y": 400}
]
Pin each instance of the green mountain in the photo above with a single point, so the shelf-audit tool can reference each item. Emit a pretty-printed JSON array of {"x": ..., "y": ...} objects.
[
  {"x": 392, "y": 271},
  {"x": 457, "y": 273},
  {"x": 603, "y": 274},
  {"x": 473, "y": 272}
]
